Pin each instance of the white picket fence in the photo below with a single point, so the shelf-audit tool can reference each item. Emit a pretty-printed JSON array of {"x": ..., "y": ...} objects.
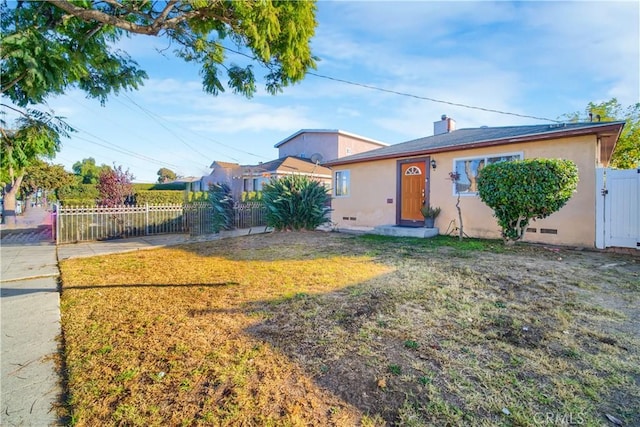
[
  {"x": 91, "y": 223},
  {"x": 88, "y": 223}
]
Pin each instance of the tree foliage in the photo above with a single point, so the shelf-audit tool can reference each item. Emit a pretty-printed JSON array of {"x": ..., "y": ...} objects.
[
  {"x": 165, "y": 175},
  {"x": 88, "y": 171},
  {"x": 46, "y": 177},
  {"x": 49, "y": 46},
  {"x": 45, "y": 50},
  {"x": 295, "y": 202},
  {"x": 35, "y": 135},
  {"x": 627, "y": 152},
  {"x": 114, "y": 186},
  {"x": 523, "y": 190}
]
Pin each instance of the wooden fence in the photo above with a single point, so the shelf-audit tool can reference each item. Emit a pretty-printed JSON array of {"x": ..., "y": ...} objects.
[{"x": 82, "y": 223}]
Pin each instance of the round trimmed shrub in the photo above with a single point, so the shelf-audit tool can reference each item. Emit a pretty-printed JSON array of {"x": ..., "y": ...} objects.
[{"x": 522, "y": 190}]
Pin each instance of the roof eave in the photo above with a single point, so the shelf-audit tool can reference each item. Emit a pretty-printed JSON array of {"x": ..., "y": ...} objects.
[{"x": 612, "y": 127}]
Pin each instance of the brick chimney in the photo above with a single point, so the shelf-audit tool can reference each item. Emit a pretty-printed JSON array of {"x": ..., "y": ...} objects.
[{"x": 445, "y": 125}]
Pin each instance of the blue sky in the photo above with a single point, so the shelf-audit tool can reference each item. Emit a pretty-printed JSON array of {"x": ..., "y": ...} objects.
[{"x": 532, "y": 58}]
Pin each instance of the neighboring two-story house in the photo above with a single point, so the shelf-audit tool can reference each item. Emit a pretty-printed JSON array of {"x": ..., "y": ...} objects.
[{"x": 303, "y": 153}]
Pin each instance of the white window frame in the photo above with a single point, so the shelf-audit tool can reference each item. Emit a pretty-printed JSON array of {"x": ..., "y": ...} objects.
[
  {"x": 336, "y": 185},
  {"x": 454, "y": 192}
]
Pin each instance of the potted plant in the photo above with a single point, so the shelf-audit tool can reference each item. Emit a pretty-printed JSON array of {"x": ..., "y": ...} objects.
[{"x": 429, "y": 215}]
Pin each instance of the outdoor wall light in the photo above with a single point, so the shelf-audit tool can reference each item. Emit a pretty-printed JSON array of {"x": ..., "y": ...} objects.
[{"x": 433, "y": 164}]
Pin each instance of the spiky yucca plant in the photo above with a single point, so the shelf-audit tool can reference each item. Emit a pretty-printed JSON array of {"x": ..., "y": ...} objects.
[
  {"x": 222, "y": 203},
  {"x": 295, "y": 202}
]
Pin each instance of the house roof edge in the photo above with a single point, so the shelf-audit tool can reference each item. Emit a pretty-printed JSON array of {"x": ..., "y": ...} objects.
[{"x": 338, "y": 131}]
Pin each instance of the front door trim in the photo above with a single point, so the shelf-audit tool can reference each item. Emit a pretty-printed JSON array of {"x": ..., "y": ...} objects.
[{"x": 427, "y": 162}]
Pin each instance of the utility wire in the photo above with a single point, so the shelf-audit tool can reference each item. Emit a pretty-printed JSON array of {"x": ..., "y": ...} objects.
[
  {"x": 73, "y": 144},
  {"x": 189, "y": 155},
  {"x": 158, "y": 119},
  {"x": 132, "y": 153},
  {"x": 111, "y": 146},
  {"x": 426, "y": 98}
]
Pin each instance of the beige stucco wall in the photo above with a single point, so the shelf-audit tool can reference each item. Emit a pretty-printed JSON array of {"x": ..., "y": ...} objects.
[
  {"x": 374, "y": 182},
  {"x": 349, "y": 145},
  {"x": 371, "y": 185}
]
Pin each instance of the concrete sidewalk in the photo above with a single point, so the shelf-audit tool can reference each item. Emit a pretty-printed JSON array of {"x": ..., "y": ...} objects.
[
  {"x": 30, "y": 312},
  {"x": 30, "y": 324}
]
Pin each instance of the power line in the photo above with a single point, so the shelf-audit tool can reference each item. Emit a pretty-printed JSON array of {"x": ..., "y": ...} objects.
[
  {"x": 111, "y": 146},
  {"x": 410, "y": 95},
  {"x": 156, "y": 117},
  {"x": 107, "y": 118},
  {"x": 190, "y": 154},
  {"x": 91, "y": 154},
  {"x": 426, "y": 98}
]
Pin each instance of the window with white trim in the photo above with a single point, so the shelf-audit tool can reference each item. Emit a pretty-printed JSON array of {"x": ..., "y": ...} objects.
[
  {"x": 342, "y": 183},
  {"x": 468, "y": 169}
]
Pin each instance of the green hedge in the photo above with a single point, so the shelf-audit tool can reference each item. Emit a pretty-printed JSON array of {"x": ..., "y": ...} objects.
[
  {"x": 78, "y": 202},
  {"x": 74, "y": 194},
  {"x": 168, "y": 186},
  {"x": 159, "y": 197}
]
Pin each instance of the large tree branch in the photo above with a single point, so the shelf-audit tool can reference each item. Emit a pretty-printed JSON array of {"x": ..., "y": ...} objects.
[
  {"x": 163, "y": 15},
  {"x": 15, "y": 109},
  {"x": 12, "y": 83},
  {"x": 158, "y": 23}
]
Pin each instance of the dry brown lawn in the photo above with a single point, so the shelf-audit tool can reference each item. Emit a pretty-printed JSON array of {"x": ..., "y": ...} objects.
[{"x": 331, "y": 329}]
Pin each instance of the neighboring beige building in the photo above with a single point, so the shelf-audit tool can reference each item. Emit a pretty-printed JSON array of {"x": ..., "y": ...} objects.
[
  {"x": 323, "y": 145},
  {"x": 304, "y": 153},
  {"x": 388, "y": 186}
]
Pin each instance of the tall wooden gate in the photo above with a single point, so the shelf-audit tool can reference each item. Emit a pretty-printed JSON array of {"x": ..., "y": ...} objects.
[{"x": 618, "y": 208}]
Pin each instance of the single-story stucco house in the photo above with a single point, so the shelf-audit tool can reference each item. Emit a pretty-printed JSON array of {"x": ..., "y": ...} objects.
[{"x": 389, "y": 185}]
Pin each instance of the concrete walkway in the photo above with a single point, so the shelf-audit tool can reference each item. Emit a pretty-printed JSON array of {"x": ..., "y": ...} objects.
[
  {"x": 29, "y": 323},
  {"x": 30, "y": 386}
]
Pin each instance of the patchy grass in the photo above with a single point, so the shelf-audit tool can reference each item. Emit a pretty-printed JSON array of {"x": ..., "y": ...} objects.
[{"x": 328, "y": 329}]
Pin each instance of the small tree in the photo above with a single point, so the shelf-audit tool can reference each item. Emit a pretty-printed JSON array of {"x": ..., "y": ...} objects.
[
  {"x": 88, "y": 170},
  {"x": 295, "y": 202},
  {"x": 455, "y": 177},
  {"x": 166, "y": 175},
  {"x": 114, "y": 186},
  {"x": 43, "y": 176},
  {"x": 520, "y": 191}
]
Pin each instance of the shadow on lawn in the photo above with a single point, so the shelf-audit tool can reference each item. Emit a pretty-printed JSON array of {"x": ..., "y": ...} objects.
[
  {"x": 151, "y": 285},
  {"x": 317, "y": 332},
  {"x": 285, "y": 246}
]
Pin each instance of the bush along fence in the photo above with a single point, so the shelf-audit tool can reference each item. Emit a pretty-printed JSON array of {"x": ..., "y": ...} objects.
[{"x": 91, "y": 223}]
